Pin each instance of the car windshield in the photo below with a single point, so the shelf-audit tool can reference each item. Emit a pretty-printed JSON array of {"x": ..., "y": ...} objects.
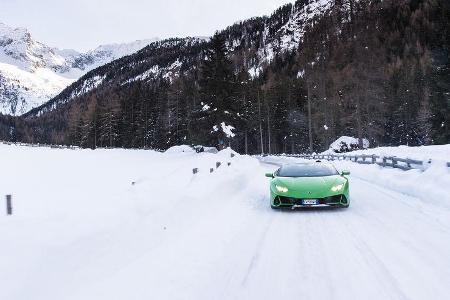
[{"x": 307, "y": 170}]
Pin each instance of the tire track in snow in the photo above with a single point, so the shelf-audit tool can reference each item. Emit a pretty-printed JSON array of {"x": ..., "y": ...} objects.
[{"x": 254, "y": 259}]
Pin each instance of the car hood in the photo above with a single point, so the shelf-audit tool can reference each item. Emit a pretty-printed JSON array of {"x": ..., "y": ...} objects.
[{"x": 310, "y": 185}]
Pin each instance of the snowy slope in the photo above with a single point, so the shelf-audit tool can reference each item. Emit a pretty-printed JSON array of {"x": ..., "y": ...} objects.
[
  {"x": 289, "y": 36},
  {"x": 32, "y": 73},
  {"x": 82, "y": 230},
  {"x": 21, "y": 90}
]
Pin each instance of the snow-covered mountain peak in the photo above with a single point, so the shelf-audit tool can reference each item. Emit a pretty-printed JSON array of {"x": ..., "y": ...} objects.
[
  {"x": 122, "y": 49},
  {"x": 104, "y": 54},
  {"x": 17, "y": 47},
  {"x": 32, "y": 73},
  {"x": 15, "y": 33}
]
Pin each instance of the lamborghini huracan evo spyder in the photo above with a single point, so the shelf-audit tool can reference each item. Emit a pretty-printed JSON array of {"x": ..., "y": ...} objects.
[{"x": 309, "y": 185}]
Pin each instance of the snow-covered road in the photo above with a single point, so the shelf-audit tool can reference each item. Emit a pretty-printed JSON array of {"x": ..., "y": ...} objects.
[
  {"x": 173, "y": 235},
  {"x": 386, "y": 246}
]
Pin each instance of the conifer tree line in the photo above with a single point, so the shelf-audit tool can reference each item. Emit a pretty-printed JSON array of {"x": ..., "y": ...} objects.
[{"x": 371, "y": 69}]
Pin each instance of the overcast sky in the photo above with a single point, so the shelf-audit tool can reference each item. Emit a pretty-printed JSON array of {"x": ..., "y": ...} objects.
[{"x": 84, "y": 24}]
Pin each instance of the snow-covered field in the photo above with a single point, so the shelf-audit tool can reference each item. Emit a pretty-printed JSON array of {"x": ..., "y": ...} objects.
[{"x": 82, "y": 230}]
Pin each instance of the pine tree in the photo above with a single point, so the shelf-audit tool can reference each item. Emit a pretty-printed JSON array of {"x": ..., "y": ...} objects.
[
  {"x": 79, "y": 134},
  {"x": 218, "y": 110}
]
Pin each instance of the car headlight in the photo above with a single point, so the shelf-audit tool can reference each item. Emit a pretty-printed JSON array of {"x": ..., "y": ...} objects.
[
  {"x": 281, "y": 189},
  {"x": 337, "y": 188}
]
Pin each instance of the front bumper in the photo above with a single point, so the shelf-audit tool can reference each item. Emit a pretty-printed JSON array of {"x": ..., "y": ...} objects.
[{"x": 290, "y": 202}]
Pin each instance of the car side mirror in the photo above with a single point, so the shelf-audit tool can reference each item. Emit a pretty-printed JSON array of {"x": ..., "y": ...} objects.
[
  {"x": 270, "y": 175},
  {"x": 345, "y": 173}
]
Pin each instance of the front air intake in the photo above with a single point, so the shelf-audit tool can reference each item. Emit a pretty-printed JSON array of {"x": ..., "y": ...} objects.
[
  {"x": 344, "y": 200},
  {"x": 276, "y": 201}
]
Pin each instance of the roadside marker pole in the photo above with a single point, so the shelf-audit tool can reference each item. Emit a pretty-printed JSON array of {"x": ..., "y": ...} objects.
[{"x": 8, "y": 205}]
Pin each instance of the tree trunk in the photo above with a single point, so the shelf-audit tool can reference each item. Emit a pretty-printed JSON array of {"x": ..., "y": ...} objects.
[
  {"x": 268, "y": 130},
  {"x": 95, "y": 133},
  {"x": 260, "y": 125},
  {"x": 359, "y": 123},
  {"x": 246, "y": 142},
  {"x": 311, "y": 149},
  {"x": 176, "y": 120}
]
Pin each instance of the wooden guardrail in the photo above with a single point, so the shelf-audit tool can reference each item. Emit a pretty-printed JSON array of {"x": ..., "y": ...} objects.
[
  {"x": 40, "y": 145},
  {"x": 384, "y": 161},
  {"x": 218, "y": 164},
  {"x": 69, "y": 146}
]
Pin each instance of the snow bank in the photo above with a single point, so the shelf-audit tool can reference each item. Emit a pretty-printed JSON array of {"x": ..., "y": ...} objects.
[
  {"x": 189, "y": 150},
  {"x": 228, "y": 152},
  {"x": 423, "y": 153},
  {"x": 346, "y": 144},
  {"x": 431, "y": 185},
  {"x": 120, "y": 224},
  {"x": 180, "y": 149},
  {"x": 200, "y": 148}
]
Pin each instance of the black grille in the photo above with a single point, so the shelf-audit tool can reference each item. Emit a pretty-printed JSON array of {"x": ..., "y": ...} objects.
[
  {"x": 287, "y": 201},
  {"x": 334, "y": 200}
]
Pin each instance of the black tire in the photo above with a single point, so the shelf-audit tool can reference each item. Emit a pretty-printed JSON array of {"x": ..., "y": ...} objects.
[{"x": 275, "y": 207}]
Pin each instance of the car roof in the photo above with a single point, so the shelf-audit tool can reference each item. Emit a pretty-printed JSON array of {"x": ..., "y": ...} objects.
[{"x": 308, "y": 163}]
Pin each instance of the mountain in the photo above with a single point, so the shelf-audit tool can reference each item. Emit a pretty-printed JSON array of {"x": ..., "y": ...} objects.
[
  {"x": 262, "y": 39},
  {"x": 100, "y": 55},
  {"x": 31, "y": 72},
  {"x": 289, "y": 82}
]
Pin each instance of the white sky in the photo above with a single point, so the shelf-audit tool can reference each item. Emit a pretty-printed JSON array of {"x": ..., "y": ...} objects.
[{"x": 85, "y": 24}]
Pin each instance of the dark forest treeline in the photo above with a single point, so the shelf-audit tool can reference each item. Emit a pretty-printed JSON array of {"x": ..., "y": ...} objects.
[{"x": 373, "y": 69}]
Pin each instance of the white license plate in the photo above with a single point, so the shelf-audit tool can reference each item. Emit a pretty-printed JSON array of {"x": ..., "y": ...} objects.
[{"x": 310, "y": 202}]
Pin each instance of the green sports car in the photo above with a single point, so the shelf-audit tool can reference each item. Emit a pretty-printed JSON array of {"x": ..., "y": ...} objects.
[{"x": 309, "y": 185}]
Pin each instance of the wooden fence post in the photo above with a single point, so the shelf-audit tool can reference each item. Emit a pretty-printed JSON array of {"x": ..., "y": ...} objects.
[
  {"x": 195, "y": 171},
  {"x": 218, "y": 164},
  {"x": 9, "y": 205}
]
